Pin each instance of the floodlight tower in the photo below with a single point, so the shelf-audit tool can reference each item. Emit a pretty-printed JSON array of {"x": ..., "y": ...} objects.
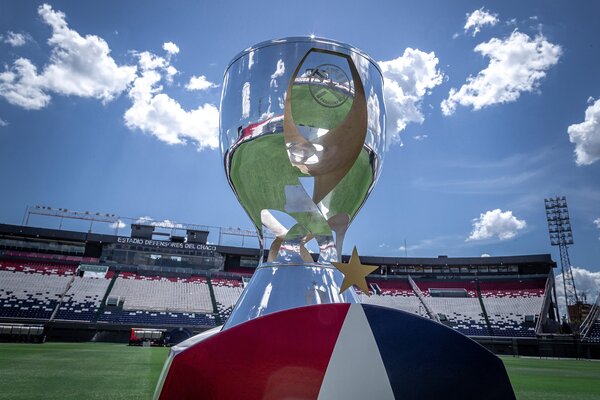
[{"x": 561, "y": 235}]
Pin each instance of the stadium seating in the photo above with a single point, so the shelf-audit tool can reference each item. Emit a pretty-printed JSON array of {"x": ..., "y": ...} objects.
[
  {"x": 32, "y": 290},
  {"x": 396, "y": 293},
  {"x": 509, "y": 302},
  {"x": 155, "y": 300},
  {"x": 83, "y": 298},
  {"x": 462, "y": 314},
  {"x": 594, "y": 333},
  {"x": 160, "y": 318},
  {"x": 41, "y": 290},
  {"x": 152, "y": 293},
  {"x": 227, "y": 292}
]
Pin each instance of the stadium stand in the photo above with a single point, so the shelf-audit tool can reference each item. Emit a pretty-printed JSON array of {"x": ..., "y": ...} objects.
[
  {"x": 394, "y": 293},
  {"x": 513, "y": 306},
  {"x": 159, "y": 318},
  {"x": 227, "y": 292},
  {"x": 159, "y": 300},
  {"x": 82, "y": 300},
  {"x": 456, "y": 304},
  {"x": 32, "y": 290},
  {"x": 166, "y": 283},
  {"x": 141, "y": 292},
  {"x": 594, "y": 334}
]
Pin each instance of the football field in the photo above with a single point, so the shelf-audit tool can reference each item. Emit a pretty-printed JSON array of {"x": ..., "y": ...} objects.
[{"x": 116, "y": 371}]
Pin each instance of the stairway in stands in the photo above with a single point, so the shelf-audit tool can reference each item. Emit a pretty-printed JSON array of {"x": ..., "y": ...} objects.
[
  {"x": 213, "y": 300},
  {"x": 103, "y": 303}
]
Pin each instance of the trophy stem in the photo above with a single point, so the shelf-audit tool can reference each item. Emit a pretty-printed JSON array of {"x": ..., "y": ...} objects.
[{"x": 277, "y": 287}]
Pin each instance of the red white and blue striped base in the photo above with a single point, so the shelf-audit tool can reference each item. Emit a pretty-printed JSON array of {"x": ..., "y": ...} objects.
[{"x": 335, "y": 351}]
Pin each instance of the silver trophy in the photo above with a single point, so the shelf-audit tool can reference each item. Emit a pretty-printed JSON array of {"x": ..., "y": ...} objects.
[{"x": 302, "y": 136}]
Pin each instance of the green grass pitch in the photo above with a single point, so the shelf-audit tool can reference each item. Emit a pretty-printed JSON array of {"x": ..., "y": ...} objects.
[{"x": 116, "y": 371}]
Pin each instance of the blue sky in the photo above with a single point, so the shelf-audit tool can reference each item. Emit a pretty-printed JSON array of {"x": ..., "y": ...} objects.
[{"x": 487, "y": 106}]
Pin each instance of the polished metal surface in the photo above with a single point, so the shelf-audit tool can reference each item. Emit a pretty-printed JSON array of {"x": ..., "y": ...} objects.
[{"x": 302, "y": 126}]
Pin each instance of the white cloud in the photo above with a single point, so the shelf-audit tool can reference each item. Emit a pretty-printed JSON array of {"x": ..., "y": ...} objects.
[
  {"x": 485, "y": 255},
  {"x": 407, "y": 79},
  {"x": 246, "y": 100},
  {"x": 279, "y": 71},
  {"x": 3, "y": 123},
  {"x": 78, "y": 66},
  {"x": 170, "y": 48},
  {"x": 250, "y": 59},
  {"x": 478, "y": 19},
  {"x": 161, "y": 224},
  {"x": 15, "y": 39},
  {"x": 160, "y": 115},
  {"x": 496, "y": 223},
  {"x": 420, "y": 138},
  {"x": 82, "y": 66},
  {"x": 517, "y": 64},
  {"x": 587, "y": 284},
  {"x": 118, "y": 224},
  {"x": 199, "y": 83},
  {"x": 597, "y": 222},
  {"x": 586, "y": 136}
]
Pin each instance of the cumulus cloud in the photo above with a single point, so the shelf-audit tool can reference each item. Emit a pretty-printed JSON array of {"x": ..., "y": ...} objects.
[
  {"x": 586, "y": 135},
  {"x": 517, "y": 64},
  {"x": 15, "y": 39},
  {"x": 420, "y": 138},
  {"x": 118, "y": 224},
  {"x": 407, "y": 79},
  {"x": 597, "y": 222},
  {"x": 587, "y": 284},
  {"x": 199, "y": 83},
  {"x": 478, "y": 19},
  {"x": 78, "y": 66},
  {"x": 496, "y": 223},
  {"x": 82, "y": 66},
  {"x": 485, "y": 255},
  {"x": 170, "y": 48},
  {"x": 3, "y": 123},
  {"x": 160, "y": 115}
]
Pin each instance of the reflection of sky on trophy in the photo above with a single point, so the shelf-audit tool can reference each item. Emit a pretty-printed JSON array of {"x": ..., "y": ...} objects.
[{"x": 70, "y": 145}]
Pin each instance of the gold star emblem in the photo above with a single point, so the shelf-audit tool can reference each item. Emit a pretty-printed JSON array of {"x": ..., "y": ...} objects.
[{"x": 355, "y": 273}]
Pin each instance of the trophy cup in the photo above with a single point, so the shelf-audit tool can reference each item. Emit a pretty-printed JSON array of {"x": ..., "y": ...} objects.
[{"x": 302, "y": 137}]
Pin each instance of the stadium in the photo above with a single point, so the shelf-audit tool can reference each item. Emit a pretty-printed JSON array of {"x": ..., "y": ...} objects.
[
  {"x": 161, "y": 284},
  {"x": 98, "y": 305}
]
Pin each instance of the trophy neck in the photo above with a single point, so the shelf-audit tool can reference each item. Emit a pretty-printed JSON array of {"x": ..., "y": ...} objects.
[{"x": 281, "y": 286}]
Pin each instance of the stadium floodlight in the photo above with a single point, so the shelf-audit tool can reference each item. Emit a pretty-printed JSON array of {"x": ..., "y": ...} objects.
[{"x": 561, "y": 235}]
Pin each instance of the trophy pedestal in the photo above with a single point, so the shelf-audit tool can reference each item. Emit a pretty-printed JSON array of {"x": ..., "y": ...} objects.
[{"x": 277, "y": 287}]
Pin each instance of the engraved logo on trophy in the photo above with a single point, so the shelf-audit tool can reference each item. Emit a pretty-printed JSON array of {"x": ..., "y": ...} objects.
[{"x": 329, "y": 85}]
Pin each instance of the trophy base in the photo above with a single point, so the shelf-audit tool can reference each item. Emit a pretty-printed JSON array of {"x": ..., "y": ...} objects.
[
  {"x": 331, "y": 352},
  {"x": 277, "y": 287}
]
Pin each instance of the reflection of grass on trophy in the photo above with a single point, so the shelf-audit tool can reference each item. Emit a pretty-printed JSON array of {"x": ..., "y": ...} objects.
[
  {"x": 307, "y": 111},
  {"x": 260, "y": 170}
]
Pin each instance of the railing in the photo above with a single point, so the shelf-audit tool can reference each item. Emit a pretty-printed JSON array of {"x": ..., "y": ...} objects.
[
  {"x": 545, "y": 303},
  {"x": 591, "y": 318},
  {"x": 429, "y": 311}
]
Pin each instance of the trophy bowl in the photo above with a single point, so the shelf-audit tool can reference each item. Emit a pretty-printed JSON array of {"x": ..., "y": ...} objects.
[{"x": 302, "y": 134}]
